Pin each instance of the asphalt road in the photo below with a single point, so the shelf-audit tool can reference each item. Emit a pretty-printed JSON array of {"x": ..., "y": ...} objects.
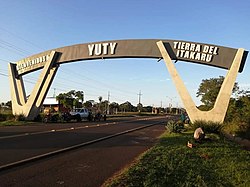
[{"x": 89, "y": 165}]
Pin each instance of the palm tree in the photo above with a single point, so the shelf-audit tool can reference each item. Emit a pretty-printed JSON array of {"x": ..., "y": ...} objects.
[
  {"x": 79, "y": 97},
  {"x": 100, "y": 100}
]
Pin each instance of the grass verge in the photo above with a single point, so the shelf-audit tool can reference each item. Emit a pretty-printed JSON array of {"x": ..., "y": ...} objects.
[
  {"x": 171, "y": 163},
  {"x": 15, "y": 123}
]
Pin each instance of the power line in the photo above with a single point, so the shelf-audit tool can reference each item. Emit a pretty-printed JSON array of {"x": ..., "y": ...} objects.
[
  {"x": 15, "y": 49},
  {"x": 4, "y": 75},
  {"x": 103, "y": 84},
  {"x": 9, "y": 45},
  {"x": 5, "y": 60},
  {"x": 19, "y": 50},
  {"x": 21, "y": 38}
]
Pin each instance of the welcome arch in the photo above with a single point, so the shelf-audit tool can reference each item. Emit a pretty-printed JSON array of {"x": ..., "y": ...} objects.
[{"x": 207, "y": 54}]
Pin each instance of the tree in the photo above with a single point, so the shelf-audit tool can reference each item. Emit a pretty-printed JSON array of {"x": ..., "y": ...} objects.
[
  {"x": 239, "y": 110},
  {"x": 65, "y": 100},
  {"x": 100, "y": 101},
  {"x": 127, "y": 107},
  {"x": 139, "y": 107},
  {"x": 148, "y": 108},
  {"x": 88, "y": 104},
  {"x": 113, "y": 107},
  {"x": 9, "y": 104},
  {"x": 79, "y": 96},
  {"x": 104, "y": 106},
  {"x": 209, "y": 89},
  {"x": 238, "y": 116},
  {"x": 70, "y": 99}
]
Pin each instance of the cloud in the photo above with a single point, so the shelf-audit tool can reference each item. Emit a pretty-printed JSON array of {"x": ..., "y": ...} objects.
[{"x": 244, "y": 85}]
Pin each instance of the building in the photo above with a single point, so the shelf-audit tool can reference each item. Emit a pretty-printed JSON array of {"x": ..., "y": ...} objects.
[{"x": 50, "y": 104}]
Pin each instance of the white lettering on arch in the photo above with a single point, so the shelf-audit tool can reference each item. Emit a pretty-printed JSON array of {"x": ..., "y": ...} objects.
[{"x": 102, "y": 49}]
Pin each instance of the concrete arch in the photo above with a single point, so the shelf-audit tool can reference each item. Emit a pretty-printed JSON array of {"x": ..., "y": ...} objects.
[
  {"x": 218, "y": 112},
  {"x": 49, "y": 61}
]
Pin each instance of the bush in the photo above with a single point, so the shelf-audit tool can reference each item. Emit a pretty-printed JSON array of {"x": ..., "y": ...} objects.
[
  {"x": 4, "y": 117},
  {"x": 39, "y": 118},
  {"x": 208, "y": 126},
  {"x": 175, "y": 127},
  {"x": 53, "y": 117},
  {"x": 19, "y": 117},
  {"x": 241, "y": 129}
]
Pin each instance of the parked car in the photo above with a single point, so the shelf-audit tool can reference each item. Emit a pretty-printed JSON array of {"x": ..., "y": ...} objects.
[{"x": 80, "y": 113}]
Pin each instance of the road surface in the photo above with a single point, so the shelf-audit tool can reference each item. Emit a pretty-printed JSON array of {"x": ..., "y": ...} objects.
[{"x": 101, "y": 150}]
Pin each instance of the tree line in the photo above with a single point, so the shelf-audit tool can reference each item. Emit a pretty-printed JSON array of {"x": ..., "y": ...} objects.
[{"x": 75, "y": 99}]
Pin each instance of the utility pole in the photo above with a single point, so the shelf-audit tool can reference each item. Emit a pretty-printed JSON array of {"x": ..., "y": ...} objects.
[
  {"x": 139, "y": 97},
  {"x": 108, "y": 102},
  {"x": 160, "y": 110},
  {"x": 82, "y": 98},
  {"x": 170, "y": 104},
  {"x": 54, "y": 95},
  {"x": 139, "y": 104}
]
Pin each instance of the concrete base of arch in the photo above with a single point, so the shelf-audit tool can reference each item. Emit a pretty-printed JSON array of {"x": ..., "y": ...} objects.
[
  {"x": 30, "y": 107},
  {"x": 218, "y": 112}
]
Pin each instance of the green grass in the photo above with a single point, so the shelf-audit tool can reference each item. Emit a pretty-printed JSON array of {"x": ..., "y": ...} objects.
[
  {"x": 172, "y": 163},
  {"x": 12, "y": 123}
]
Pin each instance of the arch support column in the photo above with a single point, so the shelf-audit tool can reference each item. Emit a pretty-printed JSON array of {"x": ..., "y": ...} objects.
[
  {"x": 30, "y": 107},
  {"x": 218, "y": 112}
]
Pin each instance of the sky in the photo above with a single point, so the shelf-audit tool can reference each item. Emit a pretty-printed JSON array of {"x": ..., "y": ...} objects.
[{"x": 29, "y": 27}]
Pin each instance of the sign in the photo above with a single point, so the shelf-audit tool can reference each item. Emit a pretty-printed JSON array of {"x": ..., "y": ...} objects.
[
  {"x": 28, "y": 64},
  {"x": 192, "y": 51},
  {"x": 102, "y": 49}
]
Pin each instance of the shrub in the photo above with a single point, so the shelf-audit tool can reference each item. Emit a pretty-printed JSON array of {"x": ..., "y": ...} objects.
[
  {"x": 175, "y": 127},
  {"x": 207, "y": 126},
  {"x": 238, "y": 128},
  {"x": 38, "y": 118},
  {"x": 4, "y": 117},
  {"x": 55, "y": 117},
  {"x": 19, "y": 117}
]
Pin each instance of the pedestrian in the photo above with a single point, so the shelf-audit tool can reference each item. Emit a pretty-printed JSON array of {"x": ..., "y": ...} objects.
[
  {"x": 183, "y": 118},
  {"x": 199, "y": 134}
]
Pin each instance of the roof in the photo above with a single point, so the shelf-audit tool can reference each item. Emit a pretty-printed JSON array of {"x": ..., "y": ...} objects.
[{"x": 50, "y": 101}]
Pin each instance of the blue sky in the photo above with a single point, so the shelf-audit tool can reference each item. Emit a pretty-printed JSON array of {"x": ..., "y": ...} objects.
[{"x": 30, "y": 26}]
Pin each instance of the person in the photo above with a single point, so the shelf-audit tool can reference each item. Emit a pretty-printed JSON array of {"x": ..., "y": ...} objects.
[
  {"x": 199, "y": 134},
  {"x": 183, "y": 118},
  {"x": 90, "y": 116},
  {"x": 187, "y": 120}
]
